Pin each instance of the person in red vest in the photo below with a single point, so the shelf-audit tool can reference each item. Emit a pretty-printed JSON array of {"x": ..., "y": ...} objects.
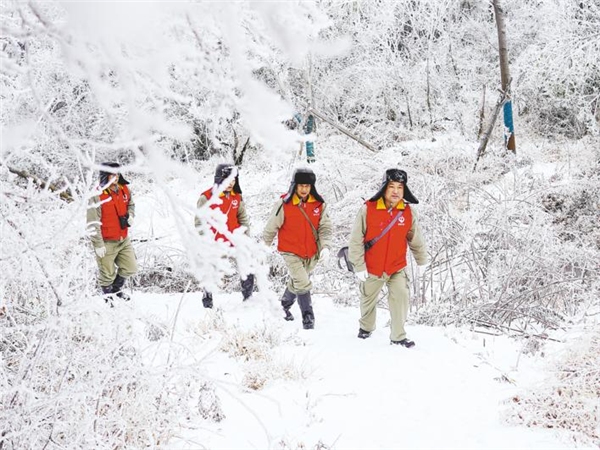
[
  {"x": 109, "y": 217},
  {"x": 386, "y": 226},
  {"x": 233, "y": 207},
  {"x": 303, "y": 229}
]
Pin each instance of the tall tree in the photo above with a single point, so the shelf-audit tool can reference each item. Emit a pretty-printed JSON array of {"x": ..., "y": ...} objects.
[{"x": 509, "y": 127}]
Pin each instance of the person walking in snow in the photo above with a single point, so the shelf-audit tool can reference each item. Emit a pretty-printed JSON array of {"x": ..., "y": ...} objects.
[
  {"x": 232, "y": 206},
  {"x": 384, "y": 228},
  {"x": 303, "y": 229},
  {"x": 109, "y": 217}
]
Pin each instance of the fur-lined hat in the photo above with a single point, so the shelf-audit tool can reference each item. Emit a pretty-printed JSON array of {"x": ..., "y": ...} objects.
[
  {"x": 303, "y": 176},
  {"x": 401, "y": 177},
  {"x": 223, "y": 171},
  {"x": 104, "y": 175}
]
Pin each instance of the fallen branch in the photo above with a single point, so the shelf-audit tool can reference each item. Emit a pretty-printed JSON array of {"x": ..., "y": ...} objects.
[
  {"x": 342, "y": 129},
  {"x": 486, "y": 137},
  {"x": 64, "y": 194},
  {"x": 495, "y": 325}
]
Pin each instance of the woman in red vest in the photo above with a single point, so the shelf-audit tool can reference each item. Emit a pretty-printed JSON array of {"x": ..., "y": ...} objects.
[
  {"x": 303, "y": 227},
  {"x": 232, "y": 206},
  {"x": 109, "y": 217},
  {"x": 384, "y": 228}
]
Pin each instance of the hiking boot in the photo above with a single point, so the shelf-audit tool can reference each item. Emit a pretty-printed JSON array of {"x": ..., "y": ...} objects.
[
  {"x": 362, "y": 334},
  {"x": 108, "y": 295},
  {"x": 287, "y": 300},
  {"x": 117, "y": 288},
  {"x": 308, "y": 317},
  {"x": 404, "y": 343},
  {"x": 207, "y": 300},
  {"x": 247, "y": 287},
  {"x": 308, "y": 321}
]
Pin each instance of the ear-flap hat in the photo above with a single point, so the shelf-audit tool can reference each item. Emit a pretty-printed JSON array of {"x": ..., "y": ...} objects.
[
  {"x": 223, "y": 171},
  {"x": 395, "y": 175},
  {"x": 303, "y": 176},
  {"x": 104, "y": 174}
]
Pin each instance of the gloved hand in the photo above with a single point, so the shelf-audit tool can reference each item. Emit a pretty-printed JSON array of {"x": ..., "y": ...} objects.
[
  {"x": 362, "y": 276},
  {"x": 324, "y": 256},
  {"x": 130, "y": 220},
  {"x": 100, "y": 251}
]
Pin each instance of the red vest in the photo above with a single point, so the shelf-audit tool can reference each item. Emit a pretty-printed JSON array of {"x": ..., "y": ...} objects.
[
  {"x": 389, "y": 253},
  {"x": 230, "y": 205},
  {"x": 114, "y": 204},
  {"x": 295, "y": 235}
]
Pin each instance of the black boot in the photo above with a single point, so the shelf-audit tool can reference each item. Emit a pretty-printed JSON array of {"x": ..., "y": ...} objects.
[
  {"x": 287, "y": 301},
  {"x": 404, "y": 343},
  {"x": 247, "y": 287},
  {"x": 117, "y": 288},
  {"x": 107, "y": 293},
  {"x": 207, "y": 300},
  {"x": 363, "y": 334},
  {"x": 308, "y": 320},
  {"x": 308, "y": 317}
]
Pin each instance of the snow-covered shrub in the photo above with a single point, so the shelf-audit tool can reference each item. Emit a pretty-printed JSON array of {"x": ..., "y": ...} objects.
[
  {"x": 258, "y": 374},
  {"x": 250, "y": 345},
  {"x": 568, "y": 398},
  {"x": 84, "y": 379},
  {"x": 209, "y": 404},
  {"x": 256, "y": 348}
]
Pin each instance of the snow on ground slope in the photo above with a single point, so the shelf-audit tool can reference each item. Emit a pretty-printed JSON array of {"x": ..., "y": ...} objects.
[{"x": 284, "y": 387}]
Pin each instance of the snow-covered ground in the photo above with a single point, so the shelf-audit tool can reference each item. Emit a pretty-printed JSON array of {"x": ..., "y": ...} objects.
[
  {"x": 326, "y": 386},
  {"x": 279, "y": 386}
]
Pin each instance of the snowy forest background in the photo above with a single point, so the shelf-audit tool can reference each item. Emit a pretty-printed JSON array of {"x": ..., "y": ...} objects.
[{"x": 169, "y": 90}]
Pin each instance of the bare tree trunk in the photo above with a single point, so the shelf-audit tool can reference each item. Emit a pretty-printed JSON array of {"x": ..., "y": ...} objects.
[
  {"x": 481, "y": 115},
  {"x": 509, "y": 128},
  {"x": 429, "y": 98},
  {"x": 408, "y": 110}
]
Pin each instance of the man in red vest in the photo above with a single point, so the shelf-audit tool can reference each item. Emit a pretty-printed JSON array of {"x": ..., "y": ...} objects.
[
  {"x": 384, "y": 228},
  {"x": 303, "y": 227},
  {"x": 109, "y": 217},
  {"x": 232, "y": 206}
]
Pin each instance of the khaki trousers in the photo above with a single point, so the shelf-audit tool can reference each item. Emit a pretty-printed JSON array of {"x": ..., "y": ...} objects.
[
  {"x": 299, "y": 272},
  {"x": 119, "y": 254},
  {"x": 398, "y": 295}
]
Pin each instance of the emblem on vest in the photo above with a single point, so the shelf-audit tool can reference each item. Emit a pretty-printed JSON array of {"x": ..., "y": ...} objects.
[
  {"x": 234, "y": 203},
  {"x": 316, "y": 211},
  {"x": 401, "y": 221}
]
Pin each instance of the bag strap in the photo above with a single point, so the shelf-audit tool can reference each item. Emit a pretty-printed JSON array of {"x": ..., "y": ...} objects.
[
  {"x": 312, "y": 227},
  {"x": 374, "y": 241}
]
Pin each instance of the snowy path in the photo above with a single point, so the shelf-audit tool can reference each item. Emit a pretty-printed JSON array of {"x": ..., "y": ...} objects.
[{"x": 353, "y": 394}]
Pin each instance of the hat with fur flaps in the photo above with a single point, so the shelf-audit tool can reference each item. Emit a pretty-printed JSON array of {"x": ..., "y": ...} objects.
[
  {"x": 303, "y": 176},
  {"x": 104, "y": 175},
  {"x": 401, "y": 177},
  {"x": 223, "y": 171}
]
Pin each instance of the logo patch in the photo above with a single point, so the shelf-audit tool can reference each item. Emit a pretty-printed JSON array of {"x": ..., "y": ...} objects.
[
  {"x": 401, "y": 221},
  {"x": 234, "y": 202},
  {"x": 316, "y": 211}
]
